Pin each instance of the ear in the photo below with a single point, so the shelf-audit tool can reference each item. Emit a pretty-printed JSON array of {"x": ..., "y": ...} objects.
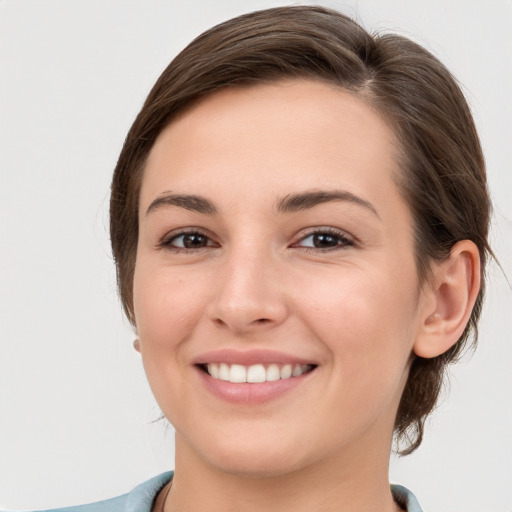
[
  {"x": 451, "y": 295},
  {"x": 136, "y": 341}
]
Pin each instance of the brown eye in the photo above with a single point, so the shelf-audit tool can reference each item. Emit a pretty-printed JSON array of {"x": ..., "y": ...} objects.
[
  {"x": 194, "y": 240},
  {"x": 322, "y": 240},
  {"x": 189, "y": 241},
  {"x": 325, "y": 240}
]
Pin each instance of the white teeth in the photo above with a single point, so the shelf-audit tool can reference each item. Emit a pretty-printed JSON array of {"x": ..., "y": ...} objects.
[
  {"x": 214, "y": 371},
  {"x": 297, "y": 370},
  {"x": 223, "y": 371},
  {"x": 273, "y": 372},
  {"x": 286, "y": 371},
  {"x": 237, "y": 373},
  {"x": 255, "y": 373}
]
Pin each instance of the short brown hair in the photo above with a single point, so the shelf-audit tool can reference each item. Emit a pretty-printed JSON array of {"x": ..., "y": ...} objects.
[{"x": 442, "y": 167}]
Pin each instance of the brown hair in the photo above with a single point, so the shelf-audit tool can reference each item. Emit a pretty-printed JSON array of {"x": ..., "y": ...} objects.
[{"x": 443, "y": 173}]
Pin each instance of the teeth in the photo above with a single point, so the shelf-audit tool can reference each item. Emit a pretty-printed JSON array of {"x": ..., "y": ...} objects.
[
  {"x": 237, "y": 373},
  {"x": 214, "y": 371},
  {"x": 273, "y": 372},
  {"x": 286, "y": 371},
  {"x": 297, "y": 370},
  {"x": 223, "y": 371},
  {"x": 255, "y": 373}
]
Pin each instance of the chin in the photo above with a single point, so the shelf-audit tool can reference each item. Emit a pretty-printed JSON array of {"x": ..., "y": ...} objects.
[
  {"x": 258, "y": 465},
  {"x": 242, "y": 456}
]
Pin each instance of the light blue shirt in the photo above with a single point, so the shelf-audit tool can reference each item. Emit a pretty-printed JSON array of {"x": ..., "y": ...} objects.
[{"x": 142, "y": 497}]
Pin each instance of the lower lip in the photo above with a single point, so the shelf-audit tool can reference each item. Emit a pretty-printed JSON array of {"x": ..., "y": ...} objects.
[{"x": 251, "y": 393}]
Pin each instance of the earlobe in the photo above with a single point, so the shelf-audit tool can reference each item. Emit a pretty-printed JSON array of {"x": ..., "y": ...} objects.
[{"x": 454, "y": 289}]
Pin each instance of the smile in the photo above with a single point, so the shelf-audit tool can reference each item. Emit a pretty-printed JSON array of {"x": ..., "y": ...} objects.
[{"x": 255, "y": 373}]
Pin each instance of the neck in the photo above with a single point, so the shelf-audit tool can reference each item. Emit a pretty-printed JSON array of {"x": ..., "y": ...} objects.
[{"x": 350, "y": 482}]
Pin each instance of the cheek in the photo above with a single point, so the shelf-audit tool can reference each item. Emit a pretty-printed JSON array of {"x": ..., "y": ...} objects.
[
  {"x": 167, "y": 305},
  {"x": 365, "y": 318},
  {"x": 360, "y": 322}
]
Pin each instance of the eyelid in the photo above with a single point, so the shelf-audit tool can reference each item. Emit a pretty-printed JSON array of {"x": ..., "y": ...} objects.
[
  {"x": 165, "y": 241},
  {"x": 348, "y": 239}
]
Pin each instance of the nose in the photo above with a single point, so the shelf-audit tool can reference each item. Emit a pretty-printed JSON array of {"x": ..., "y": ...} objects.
[{"x": 250, "y": 294}]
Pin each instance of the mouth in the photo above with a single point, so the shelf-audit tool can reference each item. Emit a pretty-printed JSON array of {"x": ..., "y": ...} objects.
[
  {"x": 255, "y": 373},
  {"x": 252, "y": 377}
]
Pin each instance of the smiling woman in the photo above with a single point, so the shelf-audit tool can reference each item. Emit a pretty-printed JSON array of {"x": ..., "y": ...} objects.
[
  {"x": 299, "y": 219},
  {"x": 262, "y": 289},
  {"x": 306, "y": 257}
]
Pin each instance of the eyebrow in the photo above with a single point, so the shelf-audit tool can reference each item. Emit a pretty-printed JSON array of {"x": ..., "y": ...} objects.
[
  {"x": 189, "y": 202},
  {"x": 288, "y": 204},
  {"x": 305, "y": 200}
]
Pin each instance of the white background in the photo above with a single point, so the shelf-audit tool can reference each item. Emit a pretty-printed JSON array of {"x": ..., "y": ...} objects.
[{"x": 75, "y": 409}]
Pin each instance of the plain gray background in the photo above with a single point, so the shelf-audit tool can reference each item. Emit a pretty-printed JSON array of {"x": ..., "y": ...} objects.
[{"x": 75, "y": 409}]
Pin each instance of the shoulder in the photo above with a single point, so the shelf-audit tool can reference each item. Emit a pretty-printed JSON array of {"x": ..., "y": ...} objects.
[
  {"x": 139, "y": 500},
  {"x": 405, "y": 498}
]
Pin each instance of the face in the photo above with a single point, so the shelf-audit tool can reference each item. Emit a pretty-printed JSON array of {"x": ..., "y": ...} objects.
[{"x": 275, "y": 292}]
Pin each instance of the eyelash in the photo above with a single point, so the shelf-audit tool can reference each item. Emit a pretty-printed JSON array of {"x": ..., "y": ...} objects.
[
  {"x": 343, "y": 241},
  {"x": 166, "y": 243}
]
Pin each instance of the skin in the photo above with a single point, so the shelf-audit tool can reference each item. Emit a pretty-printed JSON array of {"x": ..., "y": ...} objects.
[{"x": 256, "y": 280}]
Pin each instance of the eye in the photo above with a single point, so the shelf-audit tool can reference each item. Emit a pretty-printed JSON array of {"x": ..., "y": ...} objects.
[
  {"x": 325, "y": 239},
  {"x": 189, "y": 240}
]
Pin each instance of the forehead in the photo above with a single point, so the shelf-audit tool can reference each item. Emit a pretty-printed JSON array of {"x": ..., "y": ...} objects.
[{"x": 274, "y": 138}]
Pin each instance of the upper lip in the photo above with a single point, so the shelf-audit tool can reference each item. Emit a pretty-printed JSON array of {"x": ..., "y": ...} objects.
[{"x": 248, "y": 357}]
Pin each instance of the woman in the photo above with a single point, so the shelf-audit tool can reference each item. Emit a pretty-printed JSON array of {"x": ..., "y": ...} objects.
[{"x": 299, "y": 219}]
